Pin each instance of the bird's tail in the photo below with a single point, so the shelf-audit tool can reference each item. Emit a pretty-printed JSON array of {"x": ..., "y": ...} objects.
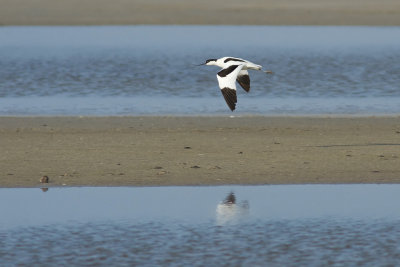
[
  {"x": 253, "y": 66},
  {"x": 259, "y": 67}
]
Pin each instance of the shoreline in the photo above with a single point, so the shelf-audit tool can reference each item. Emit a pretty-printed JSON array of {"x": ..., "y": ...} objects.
[
  {"x": 198, "y": 150},
  {"x": 206, "y": 12}
]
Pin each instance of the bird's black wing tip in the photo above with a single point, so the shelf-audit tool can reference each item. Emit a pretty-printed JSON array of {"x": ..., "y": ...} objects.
[
  {"x": 230, "y": 97},
  {"x": 244, "y": 81}
]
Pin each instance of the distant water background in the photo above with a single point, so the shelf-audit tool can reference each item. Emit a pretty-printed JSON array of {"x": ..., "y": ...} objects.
[{"x": 150, "y": 70}]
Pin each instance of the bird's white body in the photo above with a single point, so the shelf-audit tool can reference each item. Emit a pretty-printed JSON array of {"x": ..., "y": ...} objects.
[{"x": 233, "y": 70}]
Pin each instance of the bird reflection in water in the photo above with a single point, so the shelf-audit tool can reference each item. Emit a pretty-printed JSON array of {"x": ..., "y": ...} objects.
[{"x": 229, "y": 211}]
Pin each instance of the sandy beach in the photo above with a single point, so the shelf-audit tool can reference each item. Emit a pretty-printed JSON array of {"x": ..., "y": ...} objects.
[
  {"x": 234, "y": 12},
  {"x": 151, "y": 151}
]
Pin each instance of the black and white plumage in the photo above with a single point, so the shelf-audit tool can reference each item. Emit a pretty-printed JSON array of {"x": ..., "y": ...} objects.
[{"x": 233, "y": 70}]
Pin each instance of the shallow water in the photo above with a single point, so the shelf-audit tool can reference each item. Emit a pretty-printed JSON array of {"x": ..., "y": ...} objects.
[
  {"x": 309, "y": 225},
  {"x": 150, "y": 69}
]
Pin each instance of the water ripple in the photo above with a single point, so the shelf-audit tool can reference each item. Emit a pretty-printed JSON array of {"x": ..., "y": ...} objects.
[{"x": 114, "y": 62}]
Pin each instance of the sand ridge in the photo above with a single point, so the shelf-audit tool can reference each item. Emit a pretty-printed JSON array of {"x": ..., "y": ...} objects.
[
  {"x": 233, "y": 12},
  {"x": 154, "y": 151}
]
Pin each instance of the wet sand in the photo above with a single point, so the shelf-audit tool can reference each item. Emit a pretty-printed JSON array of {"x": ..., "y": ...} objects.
[
  {"x": 152, "y": 151},
  {"x": 234, "y": 12}
]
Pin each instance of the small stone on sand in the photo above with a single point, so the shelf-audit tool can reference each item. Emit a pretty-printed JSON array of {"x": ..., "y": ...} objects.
[{"x": 44, "y": 179}]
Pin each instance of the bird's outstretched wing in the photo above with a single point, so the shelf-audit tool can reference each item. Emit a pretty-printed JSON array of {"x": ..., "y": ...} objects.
[
  {"x": 243, "y": 79},
  {"x": 226, "y": 80}
]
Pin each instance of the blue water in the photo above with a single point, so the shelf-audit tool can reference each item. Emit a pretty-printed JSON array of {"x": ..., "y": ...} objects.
[
  {"x": 139, "y": 70},
  {"x": 295, "y": 225}
]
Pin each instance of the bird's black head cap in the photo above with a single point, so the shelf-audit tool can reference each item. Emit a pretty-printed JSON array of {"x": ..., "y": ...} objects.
[{"x": 211, "y": 59}]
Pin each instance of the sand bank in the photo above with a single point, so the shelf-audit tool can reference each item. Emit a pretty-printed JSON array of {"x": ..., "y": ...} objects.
[
  {"x": 139, "y": 151},
  {"x": 237, "y": 12}
]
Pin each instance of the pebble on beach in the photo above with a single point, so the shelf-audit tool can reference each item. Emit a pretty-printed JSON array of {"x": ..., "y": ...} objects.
[{"x": 44, "y": 179}]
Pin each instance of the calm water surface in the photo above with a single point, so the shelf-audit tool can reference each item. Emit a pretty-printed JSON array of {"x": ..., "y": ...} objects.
[
  {"x": 307, "y": 225},
  {"x": 135, "y": 70}
]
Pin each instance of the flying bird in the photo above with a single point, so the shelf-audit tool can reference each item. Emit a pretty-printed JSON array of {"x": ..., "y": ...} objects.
[{"x": 233, "y": 69}]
